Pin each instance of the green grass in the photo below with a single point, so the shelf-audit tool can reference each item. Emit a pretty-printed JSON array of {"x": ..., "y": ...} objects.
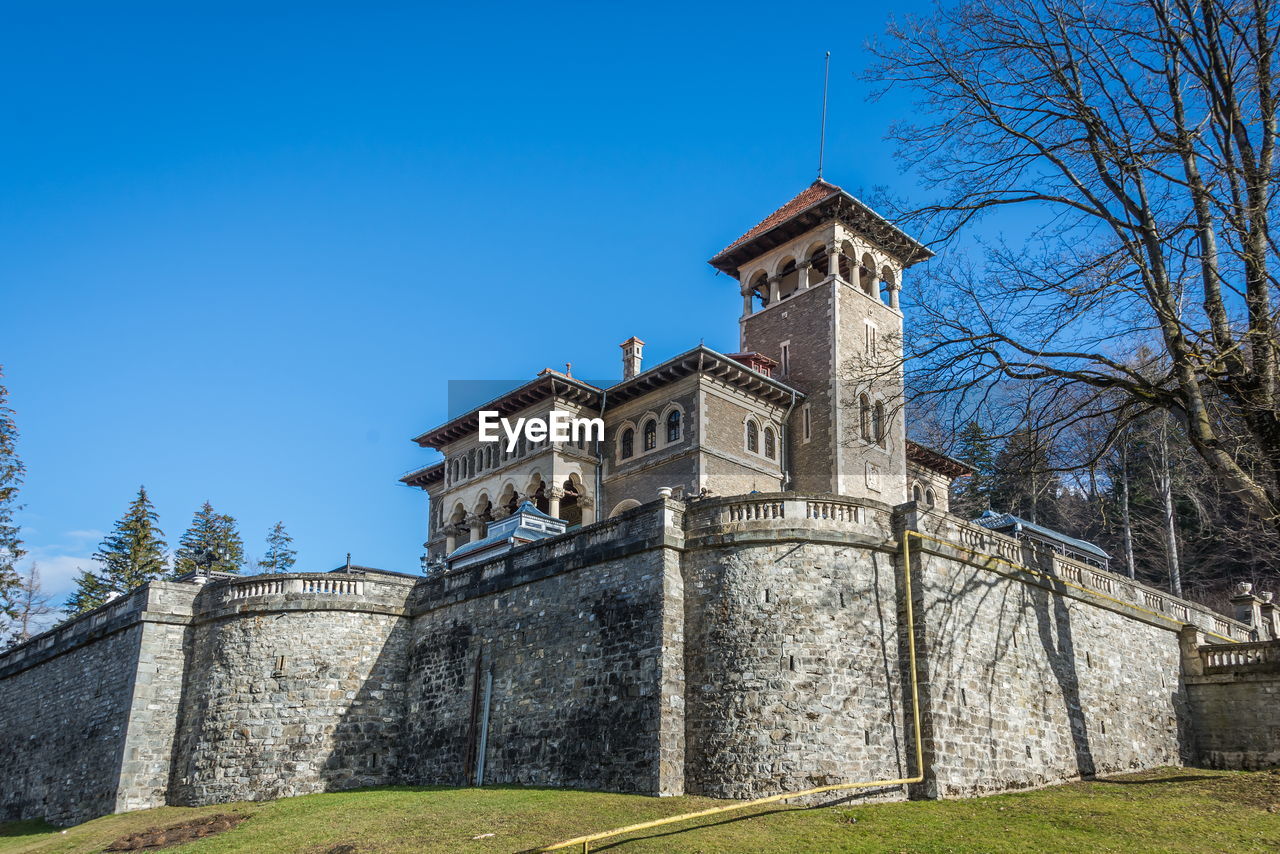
[{"x": 1174, "y": 810}]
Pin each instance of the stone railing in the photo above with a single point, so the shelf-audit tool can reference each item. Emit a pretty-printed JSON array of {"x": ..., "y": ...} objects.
[
  {"x": 776, "y": 511},
  {"x": 326, "y": 585},
  {"x": 1256, "y": 656},
  {"x": 299, "y": 591},
  {"x": 975, "y": 538}
]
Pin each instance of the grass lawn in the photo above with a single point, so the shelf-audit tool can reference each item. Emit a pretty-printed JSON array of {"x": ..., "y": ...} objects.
[{"x": 1173, "y": 809}]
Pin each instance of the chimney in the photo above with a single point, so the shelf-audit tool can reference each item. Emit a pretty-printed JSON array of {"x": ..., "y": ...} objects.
[{"x": 632, "y": 350}]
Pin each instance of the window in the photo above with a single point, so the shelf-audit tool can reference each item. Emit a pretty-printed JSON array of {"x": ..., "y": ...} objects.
[
  {"x": 928, "y": 497},
  {"x": 627, "y": 445},
  {"x": 916, "y": 494},
  {"x": 806, "y": 423},
  {"x": 878, "y": 422},
  {"x": 673, "y": 426},
  {"x": 870, "y": 344},
  {"x": 650, "y": 434},
  {"x": 770, "y": 445},
  {"x": 784, "y": 360},
  {"x": 753, "y": 437},
  {"x": 864, "y": 417}
]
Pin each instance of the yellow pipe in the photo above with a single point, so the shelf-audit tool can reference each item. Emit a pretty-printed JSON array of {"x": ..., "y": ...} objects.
[{"x": 585, "y": 841}]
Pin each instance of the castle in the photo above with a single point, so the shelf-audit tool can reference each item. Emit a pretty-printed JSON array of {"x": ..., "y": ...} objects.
[{"x": 750, "y": 585}]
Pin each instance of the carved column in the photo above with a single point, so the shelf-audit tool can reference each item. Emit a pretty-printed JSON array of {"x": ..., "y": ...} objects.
[
  {"x": 802, "y": 280},
  {"x": 833, "y": 260},
  {"x": 746, "y": 303},
  {"x": 773, "y": 289},
  {"x": 893, "y": 295},
  {"x": 477, "y": 527},
  {"x": 554, "y": 494},
  {"x": 450, "y": 538}
]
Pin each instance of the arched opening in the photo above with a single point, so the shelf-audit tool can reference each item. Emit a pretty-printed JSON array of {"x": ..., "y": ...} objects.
[
  {"x": 627, "y": 444},
  {"x": 538, "y": 494},
  {"x": 508, "y": 501},
  {"x": 917, "y": 494},
  {"x": 753, "y": 437},
  {"x": 867, "y": 275},
  {"x": 650, "y": 434},
  {"x": 929, "y": 497},
  {"x": 458, "y": 521},
  {"x": 673, "y": 426},
  {"x": 864, "y": 417},
  {"x": 817, "y": 265},
  {"x": 759, "y": 288},
  {"x": 846, "y": 262},
  {"x": 770, "y": 443},
  {"x": 570, "y": 508},
  {"x": 886, "y": 276},
  {"x": 788, "y": 279},
  {"x": 623, "y": 506},
  {"x": 877, "y": 422}
]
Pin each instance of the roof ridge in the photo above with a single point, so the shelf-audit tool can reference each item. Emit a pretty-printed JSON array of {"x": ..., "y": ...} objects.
[{"x": 819, "y": 191}]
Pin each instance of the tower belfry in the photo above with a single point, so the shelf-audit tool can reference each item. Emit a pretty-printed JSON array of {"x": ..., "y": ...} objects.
[{"x": 820, "y": 279}]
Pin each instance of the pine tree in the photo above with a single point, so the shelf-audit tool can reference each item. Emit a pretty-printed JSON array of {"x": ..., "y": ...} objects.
[
  {"x": 11, "y": 474},
  {"x": 211, "y": 544},
  {"x": 130, "y": 556},
  {"x": 971, "y": 495},
  {"x": 90, "y": 592},
  {"x": 1023, "y": 481},
  {"x": 280, "y": 557}
]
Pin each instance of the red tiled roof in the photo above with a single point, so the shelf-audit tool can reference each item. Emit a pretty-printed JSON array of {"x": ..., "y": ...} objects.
[{"x": 816, "y": 192}]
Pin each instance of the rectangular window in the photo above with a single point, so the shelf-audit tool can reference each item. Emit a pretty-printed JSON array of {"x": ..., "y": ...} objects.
[
  {"x": 870, "y": 330},
  {"x": 784, "y": 362},
  {"x": 806, "y": 423}
]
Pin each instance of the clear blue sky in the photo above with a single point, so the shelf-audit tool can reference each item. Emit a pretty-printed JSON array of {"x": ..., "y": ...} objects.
[{"x": 242, "y": 252}]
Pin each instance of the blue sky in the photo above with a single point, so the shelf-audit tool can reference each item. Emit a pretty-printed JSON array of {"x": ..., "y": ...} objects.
[{"x": 244, "y": 247}]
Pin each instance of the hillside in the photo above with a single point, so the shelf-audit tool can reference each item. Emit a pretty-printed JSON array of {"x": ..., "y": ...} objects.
[{"x": 1175, "y": 809}]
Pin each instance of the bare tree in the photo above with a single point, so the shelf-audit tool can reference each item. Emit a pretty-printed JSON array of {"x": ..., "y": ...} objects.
[
  {"x": 1137, "y": 140},
  {"x": 30, "y": 605}
]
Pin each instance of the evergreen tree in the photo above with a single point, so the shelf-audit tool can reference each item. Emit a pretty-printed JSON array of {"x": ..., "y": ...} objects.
[
  {"x": 11, "y": 474},
  {"x": 1023, "y": 482},
  {"x": 211, "y": 544},
  {"x": 130, "y": 556},
  {"x": 280, "y": 557},
  {"x": 91, "y": 591},
  {"x": 971, "y": 494}
]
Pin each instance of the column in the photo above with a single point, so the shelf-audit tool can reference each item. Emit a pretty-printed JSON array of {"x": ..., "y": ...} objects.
[
  {"x": 803, "y": 278},
  {"x": 746, "y": 303},
  {"x": 833, "y": 260},
  {"x": 450, "y": 539},
  {"x": 477, "y": 527},
  {"x": 554, "y": 494},
  {"x": 893, "y": 295},
  {"x": 773, "y": 289}
]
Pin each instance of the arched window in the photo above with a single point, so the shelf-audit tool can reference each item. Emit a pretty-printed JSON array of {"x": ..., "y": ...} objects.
[
  {"x": 928, "y": 497},
  {"x": 915, "y": 493},
  {"x": 864, "y": 417},
  {"x": 453, "y": 470},
  {"x": 753, "y": 437},
  {"x": 673, "y": 426},
  {"x": 770, "y": 444},
  {"x": 878, "y": 422},
  {"x": 627, "y": 444},
  {"x": 650, "y": 434}
]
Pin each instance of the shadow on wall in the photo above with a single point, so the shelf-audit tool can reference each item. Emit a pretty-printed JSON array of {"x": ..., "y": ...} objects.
[
  {"x": 1059, "y": 647},
  {"x": 289, "y": 703}
]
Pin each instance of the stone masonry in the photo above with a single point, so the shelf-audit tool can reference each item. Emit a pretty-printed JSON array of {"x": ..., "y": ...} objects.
[{"x": 732, "y": 647}]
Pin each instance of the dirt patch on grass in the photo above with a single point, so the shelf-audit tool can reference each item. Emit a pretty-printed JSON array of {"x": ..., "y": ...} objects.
[{"x": 162, "y": 837}]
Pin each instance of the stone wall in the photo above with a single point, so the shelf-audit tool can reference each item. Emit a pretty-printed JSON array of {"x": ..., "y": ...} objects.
[
  {"x": 1234, "y": 694},
  {"x": 1027, "y": 681},
  {"x": 575, "y": 639},
  {"x": 293, "y": 689},
  {"x": 86, "y": 711}
]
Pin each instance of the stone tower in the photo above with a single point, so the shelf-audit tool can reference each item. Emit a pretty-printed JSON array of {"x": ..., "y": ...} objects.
[{"x": 819, "y": 280}]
